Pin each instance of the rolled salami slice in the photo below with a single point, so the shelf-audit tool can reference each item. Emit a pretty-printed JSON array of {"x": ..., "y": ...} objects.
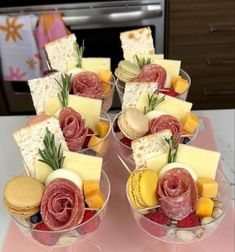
[
  {"x": 177, "y": 193},
  {"x": 167, "y": 122},
  {"x": 87, "y": 84},
  {"x": 73, "y": 128},
  {"x": 62, "y": 205},
  {"x": 152, "y": 73}
]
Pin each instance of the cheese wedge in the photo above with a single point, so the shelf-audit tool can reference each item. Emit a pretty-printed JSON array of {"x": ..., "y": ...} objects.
[
  {"x": 87, "y": 167},
  {"x": 96, "y": 64},
  {"x": 89, "y": 108},
  {"x": 170, "y": 105},
  {"x": 204, "y": 162}
]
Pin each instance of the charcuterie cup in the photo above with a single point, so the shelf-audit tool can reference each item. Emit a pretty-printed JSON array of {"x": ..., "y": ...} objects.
[
  {"x": 170, "y": 238},
  {"x": 66, "y": 240},
  {"x": 120, "y": 86},
  {"x": 125, "y": 152}
]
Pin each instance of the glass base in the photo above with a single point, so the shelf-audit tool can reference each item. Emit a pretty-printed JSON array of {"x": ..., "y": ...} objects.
[
  {"x": 84, "y": 246},
  {"x": 158, "y": 246}
]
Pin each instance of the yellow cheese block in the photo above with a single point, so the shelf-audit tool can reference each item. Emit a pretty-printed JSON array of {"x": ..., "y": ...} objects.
[
  {"x": 96, "y": 64},
  {"x": 180, "y": 85},
  {"x": 95, "y": 199},
  {"x": 207, "y": 187},
  {"x": 90, "y": 186},
  {"x": 190, "y": 122},
  {"x": 87, "y": 167},
  {"x": 89, "y": 108},
  {"x": 171, "y": 66},
  {"x": 102, "y": 128},
  {"x": 156, "y": 163},
  {"x": 204, "y": 207},
  {"x": 98, "y": 144},
  {"x": 170, "y": 105},
  {"x": 204, "y": 162}
]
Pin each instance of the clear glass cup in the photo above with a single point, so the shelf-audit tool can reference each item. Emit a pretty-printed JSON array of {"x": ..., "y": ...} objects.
[
  {"x": 107, "y": 97},
  {"x": 120, "y": 86},
  {"x": 174, "y": 239},
  {"x": 124, "y": 152},
  {"x": 65, "y": 240}
]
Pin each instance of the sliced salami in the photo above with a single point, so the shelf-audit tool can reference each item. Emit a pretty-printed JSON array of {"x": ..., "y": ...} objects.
[
  {"x": 62, "y": 205},
  {"x": 152, "y": 73},
  {"x": 177, "y": 193},
  {"x": 87, "y": 84},
  {"x": 167, "y": 122},
  {"x": 73, "y": 128}
]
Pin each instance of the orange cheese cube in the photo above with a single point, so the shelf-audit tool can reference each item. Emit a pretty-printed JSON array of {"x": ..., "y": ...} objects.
[
  {"x": 95, "y": 199},
  {"x": 204, "y": 207},
  {"x": 190, "y": 122},
  {"x": 97, "y": 144},
  {"x": 102, "y": 128},
  {"x": 105, "y": 76},
  {"x": 175, "y": 79},
  {"x": 207, "y": 187},
  {"x": 90, "y": 186},
  {"x": 179, "y": 84}
]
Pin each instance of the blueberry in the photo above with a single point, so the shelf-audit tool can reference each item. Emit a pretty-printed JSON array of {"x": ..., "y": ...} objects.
[
  {"x": 36, "y": 218},
  {"x": 186, "y": 140}
]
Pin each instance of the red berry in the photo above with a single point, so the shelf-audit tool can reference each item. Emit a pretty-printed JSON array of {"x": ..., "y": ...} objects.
[
  {"x": 87, "y": 139},
  {"x": 126, "y": 141},
  {"x": 154, "y": 229},
  {"x": 190, "y": 221},
  {"x": 169, "y": 91},
  {"x": 89, "y": 226},
  {"x": 43, "y": 235}
]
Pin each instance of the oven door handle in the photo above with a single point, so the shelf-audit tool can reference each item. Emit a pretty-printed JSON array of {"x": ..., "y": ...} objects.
[{"x": 116, "y": 17}]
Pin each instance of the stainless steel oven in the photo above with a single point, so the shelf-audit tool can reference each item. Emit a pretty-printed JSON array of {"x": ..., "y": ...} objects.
[{"x": 99, "y": 24}]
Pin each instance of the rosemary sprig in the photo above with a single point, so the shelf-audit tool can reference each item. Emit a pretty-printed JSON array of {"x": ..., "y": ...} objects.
[
  {"x": 143, "y": 62},
  {"x": 51, "y": 155},
  {"x": 80, "y": 51},
  {"x": 64, "y": 89},
  {"x": 173, "y": 148},
  {"x": 153, "y": 101}
]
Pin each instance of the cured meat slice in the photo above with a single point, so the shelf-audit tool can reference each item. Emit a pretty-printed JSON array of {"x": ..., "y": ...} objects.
[
  {"x": 167, "y": 122},
  {"x": 62, "y": 205},
  {"x": 73, "y": 128},
  {"x": 152, "y": 73},
  {"x": 87, "y": 84},
  {"x": 177, "y": 193}
]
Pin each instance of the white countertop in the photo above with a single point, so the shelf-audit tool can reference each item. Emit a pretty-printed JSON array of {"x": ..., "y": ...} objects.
[{"x": 11, "y": 162}]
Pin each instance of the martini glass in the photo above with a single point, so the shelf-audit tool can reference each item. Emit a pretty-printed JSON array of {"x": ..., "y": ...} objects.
[
  {"x": 65, "y": 240},
  {"x": 120, "y": 86},
  {"x": 174, "y": 239},
  {"x": 124, "y": 152}
]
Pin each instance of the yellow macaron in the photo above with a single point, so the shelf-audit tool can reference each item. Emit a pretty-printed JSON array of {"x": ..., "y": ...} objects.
[
  {"x": 133, "y": 123},
  {"x": 22, "y": 196},
  {"x": 142, "y": 188}
]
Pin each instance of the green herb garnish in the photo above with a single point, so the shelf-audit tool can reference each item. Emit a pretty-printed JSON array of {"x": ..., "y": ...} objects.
[
  {"x": 153, "y": 101},
  {"x": 80, "y": 51},
  {"x": 51, "y": 155},
  {"x": 143, "y": 62},
  {"x": 173, "y": 148},
  {"x": 64, "y": 92}
]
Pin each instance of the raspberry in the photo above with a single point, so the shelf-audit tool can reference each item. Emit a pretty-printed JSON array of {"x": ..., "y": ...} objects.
[
  {"x": 91, "y": 225},
  {"x": 126, "y": 141},
  {"x": 44, "y": 237},
  {"x": 190, "y": 221},
  {"x": 154, "y": 229},
  {"x": 87, "y": 139}
]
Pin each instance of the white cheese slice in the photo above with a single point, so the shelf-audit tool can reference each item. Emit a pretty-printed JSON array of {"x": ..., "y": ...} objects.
[
  {"x": 171, "y": 66},
  {"x": 204, "y": 162},
  {"x": 156, "y": 163},
  {"x": 87, "y": 167},
  {"x": 170, "y": 105},
  {"x": 96, "y": 64}
]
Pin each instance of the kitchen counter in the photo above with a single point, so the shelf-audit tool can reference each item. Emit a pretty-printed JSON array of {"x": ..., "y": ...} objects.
[{"x": 11, "y": 162}]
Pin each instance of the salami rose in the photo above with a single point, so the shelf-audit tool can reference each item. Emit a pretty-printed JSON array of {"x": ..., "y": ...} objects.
[
  {"x": 167, "y": 122},
  {"x": 62, "y": 205},
  {"x": 87, "y": 84},
  {"x": 152, "y": 73},
  {"x": 73, "y": 128},
  {"x": 177, "y": 193}
]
